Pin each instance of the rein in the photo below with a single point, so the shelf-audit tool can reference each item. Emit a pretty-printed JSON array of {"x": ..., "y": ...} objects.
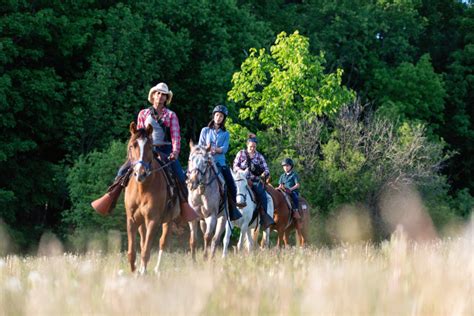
[
  {"x": 147, "y": 165},
  {"x": 248, "y": 191},
  {"x": 203, "y": 173}
]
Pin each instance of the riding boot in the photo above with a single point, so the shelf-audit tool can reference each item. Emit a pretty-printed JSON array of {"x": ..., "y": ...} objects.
[
  {"x": 265, "y": 219},
  {"x": 234, "y": 214}
]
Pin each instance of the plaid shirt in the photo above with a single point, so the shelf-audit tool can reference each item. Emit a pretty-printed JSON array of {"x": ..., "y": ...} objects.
[
  {"x": 170, "y": 120},
  {"x": 240, "y": 162}
]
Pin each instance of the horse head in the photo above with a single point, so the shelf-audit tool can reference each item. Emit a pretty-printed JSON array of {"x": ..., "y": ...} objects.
[
  {"x": 243, "y": 189},
  {"x": 198, "y": 164},
  {"x": 140, "y": 151}
]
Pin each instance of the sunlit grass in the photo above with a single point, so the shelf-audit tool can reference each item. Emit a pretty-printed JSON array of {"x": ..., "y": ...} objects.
[{"x": 396, "y": 277}]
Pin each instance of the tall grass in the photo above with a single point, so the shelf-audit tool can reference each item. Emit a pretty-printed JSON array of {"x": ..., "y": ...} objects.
[{"x": 397, "y": 277}]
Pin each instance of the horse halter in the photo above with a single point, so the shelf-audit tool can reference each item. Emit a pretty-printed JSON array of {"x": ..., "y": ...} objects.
[{"x": 201, "y": 175}]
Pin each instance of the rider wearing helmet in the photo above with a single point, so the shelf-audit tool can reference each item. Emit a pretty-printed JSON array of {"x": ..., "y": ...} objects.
[
  {"x": 289, "y": 182},
  {"x": 217, "y": 138}
]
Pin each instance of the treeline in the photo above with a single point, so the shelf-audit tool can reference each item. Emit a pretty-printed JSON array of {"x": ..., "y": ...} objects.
[{"x": 75, "y": 73}]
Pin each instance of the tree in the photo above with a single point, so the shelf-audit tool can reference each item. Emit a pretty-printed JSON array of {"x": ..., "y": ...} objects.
[
  {"x": 287, "y": 85},
  {"x": 411, "y": 92}
]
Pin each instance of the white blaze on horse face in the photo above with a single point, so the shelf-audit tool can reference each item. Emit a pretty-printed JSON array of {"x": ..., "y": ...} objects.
[{"x": 141, "y": 144}]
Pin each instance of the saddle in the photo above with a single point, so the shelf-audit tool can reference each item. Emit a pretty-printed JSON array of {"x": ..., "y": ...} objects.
[{"x": 173, "y": 185}]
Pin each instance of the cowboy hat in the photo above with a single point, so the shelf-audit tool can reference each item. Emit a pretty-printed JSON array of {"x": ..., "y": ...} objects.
[{"x": 163, "y": 88}]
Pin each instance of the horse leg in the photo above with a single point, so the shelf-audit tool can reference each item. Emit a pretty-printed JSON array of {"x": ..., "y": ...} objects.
[
  {"x": 285, "y": 239},
  {"x": 255, "y": 232},
  {"x": 192, "y": 238},
  {"x": 164, "y": 235},
  {"x": 210, "y": 225},
  {"x": 145, "y": 254},
  {"x": 131, "y": 233},
  {"x": 142, "y": 233},
  {"x": 280, "y": 241},
  {"x": 217, "y": 235},
  {"x": 228, "y": 233},
  {"x": 265, "y": 239},
  {"x": 249, "y": 238}
]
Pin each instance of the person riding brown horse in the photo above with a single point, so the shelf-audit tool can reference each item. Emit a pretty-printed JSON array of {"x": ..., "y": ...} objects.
[
  {"x": 166, "y": 145},
  {"x": 147, "y": 198}
]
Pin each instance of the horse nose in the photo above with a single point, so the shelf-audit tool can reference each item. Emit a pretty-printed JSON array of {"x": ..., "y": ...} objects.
[{"x": 141, "y": 177}]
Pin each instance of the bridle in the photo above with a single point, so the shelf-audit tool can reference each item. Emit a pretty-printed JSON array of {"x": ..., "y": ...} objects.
[
  {"x": 201, "y": 179},
  {"x": 140, "y": 161},
  {"x": 249, "y": 193}
]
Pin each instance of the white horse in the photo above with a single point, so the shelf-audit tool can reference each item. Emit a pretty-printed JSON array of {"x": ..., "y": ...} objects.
[
  {"x": 246, "y": 203},
  {"x": 204, "y": 197}
]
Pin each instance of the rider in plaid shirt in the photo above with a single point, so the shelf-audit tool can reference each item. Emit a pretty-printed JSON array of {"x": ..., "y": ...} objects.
[
  {"x": 255, "y": 163},
  {"x": 170, "y": 120}
]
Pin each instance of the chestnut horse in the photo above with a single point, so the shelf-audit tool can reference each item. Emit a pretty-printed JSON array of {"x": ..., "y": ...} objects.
[
  {"x": 284, "y": 224},
  {"x": 146, "y": 198}
]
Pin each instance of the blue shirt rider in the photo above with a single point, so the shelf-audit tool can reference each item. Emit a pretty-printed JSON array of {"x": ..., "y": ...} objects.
[{"x": 217, "y": 138}]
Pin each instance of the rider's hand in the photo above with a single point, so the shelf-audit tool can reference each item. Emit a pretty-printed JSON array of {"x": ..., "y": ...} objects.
[{"x": 173, "y": 156}]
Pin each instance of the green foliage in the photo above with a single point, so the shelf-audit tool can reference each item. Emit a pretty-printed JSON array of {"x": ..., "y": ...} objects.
[
  {"x": 87, "y": 181},
  {"x": 286, "y": 85},
  {"x": 411, "y": 92},
  {"x": 74, "y": 74}
]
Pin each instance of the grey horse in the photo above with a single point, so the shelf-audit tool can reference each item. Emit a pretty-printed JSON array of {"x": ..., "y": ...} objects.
[{"x": 205, "y": 185}]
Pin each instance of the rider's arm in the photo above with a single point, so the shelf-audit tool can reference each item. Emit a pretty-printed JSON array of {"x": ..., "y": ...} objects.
[
  {"x": 202, "y": 137},
  {"x": 225, "y": 144},
  {"x": 266, "y": 173},
  {"x": 142, "y": 118},
  {"x": 239, "y": 159},
  {"x": 175, "y": 135}
]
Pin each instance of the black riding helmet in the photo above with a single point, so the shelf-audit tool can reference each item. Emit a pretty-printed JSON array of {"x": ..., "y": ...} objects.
[
  {"x": 288, "y": 161},
  {"x": 222, "y": 109}
]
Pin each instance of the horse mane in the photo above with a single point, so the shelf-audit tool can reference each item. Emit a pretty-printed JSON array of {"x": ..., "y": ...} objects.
[{"x": 141, "y": 133}]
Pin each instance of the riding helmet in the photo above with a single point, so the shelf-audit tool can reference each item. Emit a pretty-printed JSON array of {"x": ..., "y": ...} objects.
[
  {"x": 222, "y": 109},
  {"x": 287, "y": 161}
]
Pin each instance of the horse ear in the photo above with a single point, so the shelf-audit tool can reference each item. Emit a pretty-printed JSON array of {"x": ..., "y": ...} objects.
[
  {"x": 208, "y": 148},
  {"x": 133, "y": 128},
  {"x": 191, "y": 144},
  {"x": 149, "y": 129}
]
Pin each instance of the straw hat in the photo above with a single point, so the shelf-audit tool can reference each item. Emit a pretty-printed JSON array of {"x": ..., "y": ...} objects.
[{"x": 163, "y": 88}]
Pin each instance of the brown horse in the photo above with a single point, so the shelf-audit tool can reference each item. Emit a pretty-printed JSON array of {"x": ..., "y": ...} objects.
[
  {"x": 146, "y": 198},
  {"x": 284, "y": 224}
]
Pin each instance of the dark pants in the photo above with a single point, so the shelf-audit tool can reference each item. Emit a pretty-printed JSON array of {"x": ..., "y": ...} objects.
[
  {"x": 229, "y": 181},
  {"x": 165, "y": 151},
  {"x": 123, "y": 169},
  {"x": 294, "y": 197},
  {"x": 175, "y": 165},
  {"x": 259, "y": 190}
]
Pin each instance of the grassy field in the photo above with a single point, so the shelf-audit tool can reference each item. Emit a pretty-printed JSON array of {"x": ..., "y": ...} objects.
[{"x": 396, "y": 277}]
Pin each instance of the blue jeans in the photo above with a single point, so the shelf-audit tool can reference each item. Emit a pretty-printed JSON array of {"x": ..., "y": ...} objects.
[
  {"x": 259, "y": 190},
  {"x": 166, "y": 151},
  {"x": 175, "y": 165},
  {"x": 294, "y": 197}
]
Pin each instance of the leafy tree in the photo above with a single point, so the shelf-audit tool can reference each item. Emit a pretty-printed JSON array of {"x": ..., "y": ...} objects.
[
  {"x": 286, "y": 85},
  {"x": 411, "y": 92},
  {"x": 86, "y": 182}
]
